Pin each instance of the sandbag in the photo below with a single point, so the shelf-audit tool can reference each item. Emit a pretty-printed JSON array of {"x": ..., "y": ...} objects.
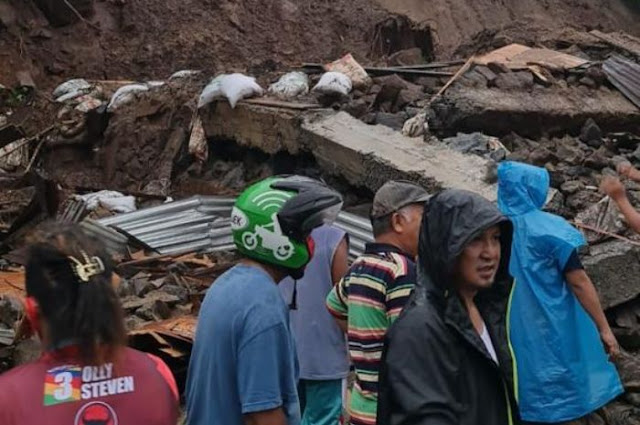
[
  {"x": 234, "y": 87},
  {"x": 111, "y": 200},
  {"x": 352, "y": 69},
  {"x": 333, "y": 83},
  {"x": 71, "y": 89},
  {"x": 185, "y": 73},
  {"x": 290, "y": 85},
  {"x": 125, "y": 94},
  {"x": 237, "y": 86},
  {"x": 212, "y": 91}
]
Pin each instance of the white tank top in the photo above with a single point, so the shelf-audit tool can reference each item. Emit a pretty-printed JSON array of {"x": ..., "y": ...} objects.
[{"x": 486, "y": 338}]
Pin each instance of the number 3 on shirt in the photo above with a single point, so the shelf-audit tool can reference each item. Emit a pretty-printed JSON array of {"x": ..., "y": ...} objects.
[
  {"x": 62, "y": 385},
  {"x": 64, "y": 389}
]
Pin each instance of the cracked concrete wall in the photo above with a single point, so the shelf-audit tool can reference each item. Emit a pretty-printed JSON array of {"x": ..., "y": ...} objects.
[{"x": 364, "y": 155}]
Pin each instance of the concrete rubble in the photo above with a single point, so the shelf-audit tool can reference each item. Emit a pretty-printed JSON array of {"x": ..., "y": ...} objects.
[
  {"x": 557, "y": 107},
  {"x": 366, "y": 156}
]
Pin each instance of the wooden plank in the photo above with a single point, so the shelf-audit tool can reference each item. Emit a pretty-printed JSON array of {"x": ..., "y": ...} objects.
[
  {"x": 502, "y": 55},
  {"x": 517, "y": 56},
  {"x": 281, "y": 104}
]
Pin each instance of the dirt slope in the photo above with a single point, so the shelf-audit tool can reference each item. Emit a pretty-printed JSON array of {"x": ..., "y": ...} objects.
[
  {"x": 154, "y": 38},
  {"x": 129, "y": 39},
  {"x": 455, "y": 22}
]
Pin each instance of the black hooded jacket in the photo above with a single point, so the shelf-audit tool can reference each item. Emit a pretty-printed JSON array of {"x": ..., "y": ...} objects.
[{"x": 435, "y": 368}]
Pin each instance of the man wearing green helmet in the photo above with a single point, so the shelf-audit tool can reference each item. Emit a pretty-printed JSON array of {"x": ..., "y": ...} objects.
[{"x": 243, "y": 367}]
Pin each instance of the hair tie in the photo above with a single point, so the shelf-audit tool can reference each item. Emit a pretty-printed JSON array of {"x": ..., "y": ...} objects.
[{"x": 91, "y": 266}]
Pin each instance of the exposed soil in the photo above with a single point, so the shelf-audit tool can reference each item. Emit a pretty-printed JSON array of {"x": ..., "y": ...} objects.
[
  {"x": 154, "y": 38},
  {"x": 456, "y": 22}
]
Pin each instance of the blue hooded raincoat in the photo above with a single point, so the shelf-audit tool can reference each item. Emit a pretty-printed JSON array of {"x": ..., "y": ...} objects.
[{"x": 563, "y": 372}]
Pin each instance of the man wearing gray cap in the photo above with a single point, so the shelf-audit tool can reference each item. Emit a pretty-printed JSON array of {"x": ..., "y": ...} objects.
[{"x": 375, "y": 289}]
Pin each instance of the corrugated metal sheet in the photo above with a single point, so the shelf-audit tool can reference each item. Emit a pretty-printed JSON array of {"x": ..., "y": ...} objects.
[
  {"x": 202, "y": 223},
  {"x": 625, "y": 76},
  {"x": 115, "y": 243}
]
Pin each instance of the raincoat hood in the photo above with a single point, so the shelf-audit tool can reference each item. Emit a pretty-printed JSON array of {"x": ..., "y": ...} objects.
[
  {"x": 522, "y": 188},
  {"x": 436, "y": 368},
  {"x": 569, "y": 358},
  {"x": 452, "y": 220}
]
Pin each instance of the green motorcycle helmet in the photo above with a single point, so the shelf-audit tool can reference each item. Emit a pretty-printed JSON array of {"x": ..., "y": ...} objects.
[{"x": 271, "y": 220}]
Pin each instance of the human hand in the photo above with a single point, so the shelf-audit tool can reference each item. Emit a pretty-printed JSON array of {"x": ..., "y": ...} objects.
[
  {"x": 610, "y": 343},
  {"x": 624, "y": 168},
  {"x": 613, "y": 187}
]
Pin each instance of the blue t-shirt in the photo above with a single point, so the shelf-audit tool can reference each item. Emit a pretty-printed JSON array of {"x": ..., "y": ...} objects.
[{"x": 244, "y": 357}]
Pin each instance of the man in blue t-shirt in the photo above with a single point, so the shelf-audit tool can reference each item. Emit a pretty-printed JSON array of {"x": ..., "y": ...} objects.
[{"x": 243, "y": 367}]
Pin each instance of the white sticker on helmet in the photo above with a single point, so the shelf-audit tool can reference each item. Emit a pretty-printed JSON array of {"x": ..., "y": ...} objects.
[
  {"x": 239, "y": 219},
  {"x": 271, "y": 238}
]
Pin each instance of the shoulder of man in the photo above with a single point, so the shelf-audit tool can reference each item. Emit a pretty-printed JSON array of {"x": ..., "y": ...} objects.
[{"x": 402, "y": 265}]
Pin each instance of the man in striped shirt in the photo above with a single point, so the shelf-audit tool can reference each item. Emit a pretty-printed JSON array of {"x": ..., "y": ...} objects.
[{"x": 372, "y": 294}]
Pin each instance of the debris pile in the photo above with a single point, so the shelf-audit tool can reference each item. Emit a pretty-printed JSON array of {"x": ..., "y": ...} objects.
[{"x": 117, "y": 152}]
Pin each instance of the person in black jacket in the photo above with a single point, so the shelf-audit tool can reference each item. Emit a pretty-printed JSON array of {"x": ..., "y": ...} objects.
[{"x": 447, "y": 359}]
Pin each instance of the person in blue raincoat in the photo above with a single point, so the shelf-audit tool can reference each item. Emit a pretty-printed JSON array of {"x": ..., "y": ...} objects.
[{"x": 558, "y": 331}]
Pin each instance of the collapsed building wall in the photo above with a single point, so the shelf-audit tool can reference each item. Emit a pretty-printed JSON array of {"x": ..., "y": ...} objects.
[{"x": 364, "y": 155}]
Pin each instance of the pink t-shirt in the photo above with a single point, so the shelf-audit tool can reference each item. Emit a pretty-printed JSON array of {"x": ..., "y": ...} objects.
[{"x": 56, "y": 389}]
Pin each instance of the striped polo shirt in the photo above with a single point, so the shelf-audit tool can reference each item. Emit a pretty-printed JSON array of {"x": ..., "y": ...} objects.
[{"x": 370, "y": 297}]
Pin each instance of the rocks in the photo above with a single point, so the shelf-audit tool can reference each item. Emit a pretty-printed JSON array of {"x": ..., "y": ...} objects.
[
  {"x": 478, "y": 144},
  {"x": 407, "y": 57},
  {"x": 408, "y": 96},
  {"x": 521, "y": 80},
  {"x": 597, "y": 75},
  {"x": 614, "y": 267},
  {"x": 178, "y": 291},
  {"x": 487, "y": 73},
  {"x": 156, "y": 310},
  {"x": 582, "y": 200},
  {"x": 498, "y": 67},
  {"x": 598, "y": 159},
  {"x": 531, "y": 113},
  {"x": 603, "y": 215},
  {"x": 588, "y": 82},
  {"x": 571, "y": 187},
  {"x": 395, "y": 93},
  {"x": 618, "y": 413},
  {"x": 541, "y": 156},
  {"x": 571, "y": 154},
  {"x": 357, "y": 108},
  {"x": 11, "y": 310},
  {"x": 395, "y": 121},
  {"x": 133, "y": 303},
  {"x": 472, "y": 79},
  {"x": 591, "y": 134}
]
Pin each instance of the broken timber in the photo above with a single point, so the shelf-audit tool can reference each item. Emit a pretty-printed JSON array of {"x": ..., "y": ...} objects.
[{"x": 365, "y": 155}]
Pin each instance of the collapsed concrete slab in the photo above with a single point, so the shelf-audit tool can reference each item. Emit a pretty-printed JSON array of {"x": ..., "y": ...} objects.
[
  {"x": 533, "y": 113},
  {"x": 364, "y": 155},
  {"x": 371, "y": 155},
  {"x": 614, "y": 268}
]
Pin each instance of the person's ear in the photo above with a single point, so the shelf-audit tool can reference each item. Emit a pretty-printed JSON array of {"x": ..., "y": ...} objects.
[{"x": 397, "y": 222}]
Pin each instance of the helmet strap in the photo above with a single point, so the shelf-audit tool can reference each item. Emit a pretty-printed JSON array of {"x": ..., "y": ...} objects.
[{"x": 293, "y": 305}]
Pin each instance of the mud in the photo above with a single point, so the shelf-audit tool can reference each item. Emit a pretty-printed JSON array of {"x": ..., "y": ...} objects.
[
  {"x": 153, "y": 39},
  {"x": 458, "y": 22}
]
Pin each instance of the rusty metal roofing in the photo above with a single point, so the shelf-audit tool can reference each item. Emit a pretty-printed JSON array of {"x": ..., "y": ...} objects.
[{"x": 625, "y": 76}]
